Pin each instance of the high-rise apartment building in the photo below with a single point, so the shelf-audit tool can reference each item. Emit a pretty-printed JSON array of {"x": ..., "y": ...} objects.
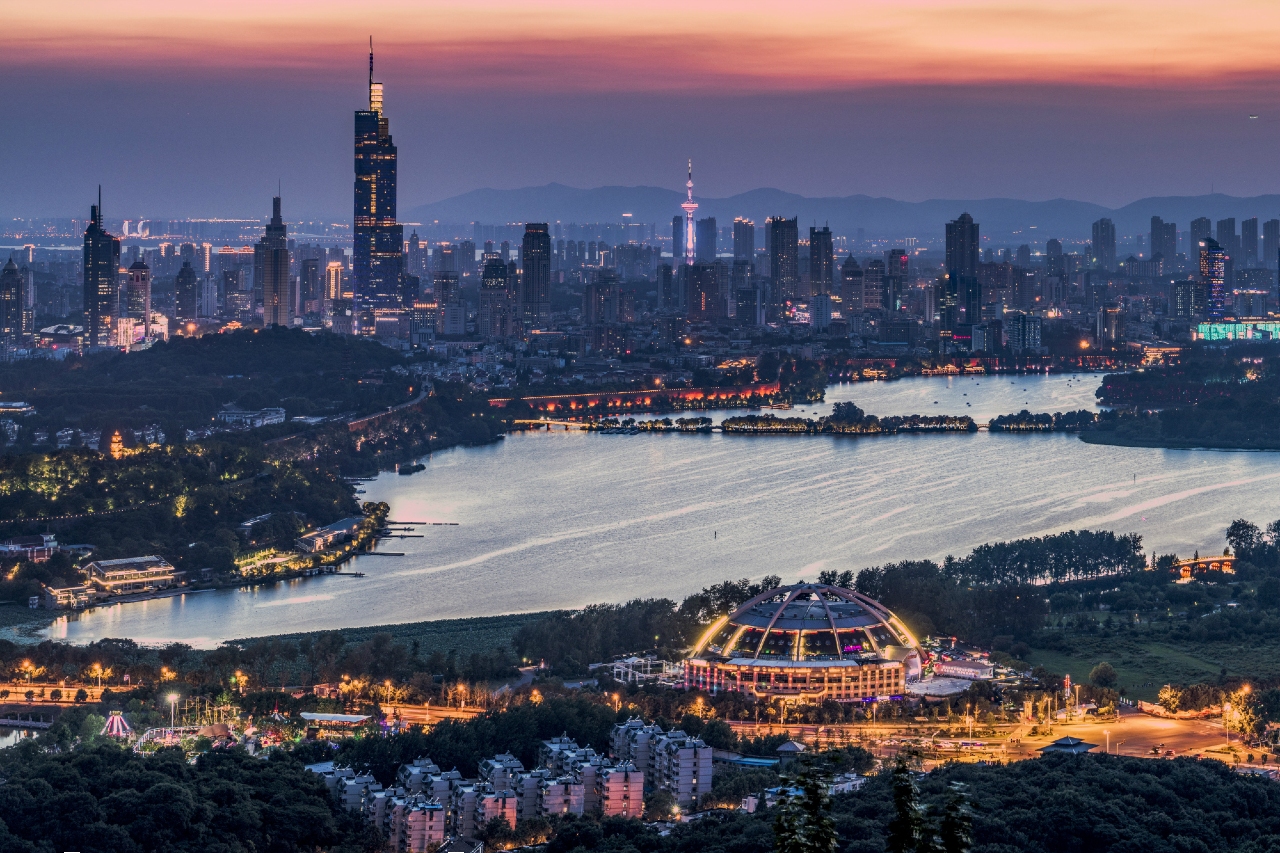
[
  {"x": 186, "y": 293},
  {"x": 784, "y": 258},
  {"x": 851, "y": 287},
  {"x": 822, "y": 262},
  {"x": 1248, "y": 244},
  {"x": 1271, "y": 244},
  {"x": 101, "y": 279},
  {"x": 744, "y": 239},
  {"x": 377, "y": 253},
  {"x": 897, "y": 268},
  {"x": 535, "y": 276},
  {"x": 961, "y": 297},
  {"x": 271, "y": 267},
  {"x": 1164, "y": 241},
  {"x": 677, "y": 240},
  {"x": 1104, "y": 245},
  {"x": 496, "y": 299},
  {"x": 1201, "y": 229},
  {"x": 706, "y": 240}
]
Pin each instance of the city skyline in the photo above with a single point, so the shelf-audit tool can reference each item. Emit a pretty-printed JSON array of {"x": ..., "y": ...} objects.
[{"x": 964, "y": 102}]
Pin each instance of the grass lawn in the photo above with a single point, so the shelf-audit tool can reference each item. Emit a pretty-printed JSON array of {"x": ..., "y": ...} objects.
[
  {"x": 1147, "y": 662},
  {"x": 466, "y": 636}
]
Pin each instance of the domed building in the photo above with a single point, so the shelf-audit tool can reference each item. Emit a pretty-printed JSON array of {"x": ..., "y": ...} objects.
[{"x": 808, "y": 642}]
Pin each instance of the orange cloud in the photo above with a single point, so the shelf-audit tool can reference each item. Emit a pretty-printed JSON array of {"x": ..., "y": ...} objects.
[{"x": 662, "y": 45}]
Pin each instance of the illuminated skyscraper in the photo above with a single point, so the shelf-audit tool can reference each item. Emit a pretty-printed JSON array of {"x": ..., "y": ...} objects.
[
  {"x": 784, "y": 258},
  {"x": 1201, "y": 230},
  {"x": 271, "y": 263},
  {"x": 10, "y": 304},
  {"x": 138, "y": 292},
  {"x": 377, "y": 255},
  {"x": 1213, "y": 277},
  {"x": 960, "y": 297},
  {"x": 744, "y": 239},
  {"x": 1271, "y": 243},
  {"x": 101, "y": 278},
  {"x": 689, "y": 207}
]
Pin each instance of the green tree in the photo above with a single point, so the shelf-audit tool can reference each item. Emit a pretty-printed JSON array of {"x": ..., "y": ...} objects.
[
  {"x": 1169, "y": 698},
  {"x": 660, "y": 805},
  {"x": 957, "y": 822},
  {"x": 907, "y": 827},
  {"x": 1103, "y": 675}
]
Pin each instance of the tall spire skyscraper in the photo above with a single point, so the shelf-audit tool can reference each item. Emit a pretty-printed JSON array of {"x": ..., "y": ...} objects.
[
  {"x": 271, "y": 258},
  {"x": 101, "y": 278},
  {"x": 689, "y": 207},
  {"x": 377, "y": 255}
]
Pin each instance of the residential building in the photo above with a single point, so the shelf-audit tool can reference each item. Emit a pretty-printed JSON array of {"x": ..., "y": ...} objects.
[
  {"x": 705, "y": 242},
  {"x": 744, "y": 239},
  {"x": 784, "y": 259},
  {"x": 821, "y": 261},
  {"x": 960, "y": 301},
  {"x": 1104, "y": 245},
  {"x": 619, "y": 790}
]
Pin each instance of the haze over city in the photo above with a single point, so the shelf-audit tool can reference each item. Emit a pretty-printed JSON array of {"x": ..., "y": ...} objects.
[{"x": 194, "y": 110}]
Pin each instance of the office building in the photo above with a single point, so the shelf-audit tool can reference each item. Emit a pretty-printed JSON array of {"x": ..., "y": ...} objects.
[
  {"x": 784, "y": 258},
  {"x": 851, "y": 287},
  {"x": 496, "y": 299},
  {"x": 1226, "y": 237},
  {"x": 1104, "y": 245},
  {"x": 186, "y": 293},
  {"x": 706, "y": 241},
  {"x": 10, "y": 305},
  {"x": 961, "y": 297},
  {"x": 822, "y": 265},
  {"x": 897, "y": 267},
  {"x": 377, "y": 255},
  {"x": 1248, "y": 244},
  {"x": 138, "y": 292},
  {"x": 271, "y": 268},
  {"x": 750, "y": 308},
  {"x": 702, "y": 289},
  {"x": 873, "y": 293},
  {"x": 1213, "y": 277},
  {"x": 535, "y": 276},
  {"x": 1164, "y": 241},
  {"x": 677, "y": 240},
  {"x": 744, "y": 239},
  {"x": 101, "y": 276}
]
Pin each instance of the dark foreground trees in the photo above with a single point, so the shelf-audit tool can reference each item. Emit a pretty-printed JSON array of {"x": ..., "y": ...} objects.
[{"x": 104, "y": 799}]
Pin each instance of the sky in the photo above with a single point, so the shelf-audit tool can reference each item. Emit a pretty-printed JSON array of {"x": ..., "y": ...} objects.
[{"x": 199, "y": 109}]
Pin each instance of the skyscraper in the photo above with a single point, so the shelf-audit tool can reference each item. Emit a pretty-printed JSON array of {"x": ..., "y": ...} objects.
[
  {"x": 186, "y": 293},
  {"x": 689, "y": 207},
  {"x": 1213, "y": 277},
  {"x": 495, "y": 299},
  {"x": 961, "y": 298},
  {"x": 1164, "y": 241},
  {"x": 10, "y": 305},
  {"x": 1104, "y": 245},
  {"x": 101, "y": 273},
  {"x": 677, "y": 240},
  {"x": 706, "y": 244},
  {"x": 1201, "y": 230},
  {"x": 897, "y": 267},
  {"x": 377, "y": 254},
  {"x": 271, "y": 262},
  {"x": 138, "y": 294},
  {"x": 744, "y": 239},
  {"x": 784, "y": 258},
  {"x": 1226, "y": 236},
  {"x": 535, "y": 277},
  {"x": 822, "y": 264},
  {"x": 1271, "y": 243},
  {"x": 851, "y": 286},
  {"x": 1249, "y": 243}
]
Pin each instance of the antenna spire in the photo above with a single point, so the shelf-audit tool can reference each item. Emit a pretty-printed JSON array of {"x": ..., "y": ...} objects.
[{"x": 370, "y": 61}]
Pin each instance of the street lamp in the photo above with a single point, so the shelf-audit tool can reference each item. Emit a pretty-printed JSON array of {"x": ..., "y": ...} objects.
[
  {"x": 1107, "y": 732},
  {"x": 173, "y": 708}
]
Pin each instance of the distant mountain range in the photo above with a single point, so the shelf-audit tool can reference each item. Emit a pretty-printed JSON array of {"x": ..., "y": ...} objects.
[{"x": 1007, "y": 219}]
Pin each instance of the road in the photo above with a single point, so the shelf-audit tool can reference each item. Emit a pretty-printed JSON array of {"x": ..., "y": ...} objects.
[{"x": 1133, "y": 733}]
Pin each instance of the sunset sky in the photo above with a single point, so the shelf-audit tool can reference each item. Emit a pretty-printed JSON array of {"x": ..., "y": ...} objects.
[{"x": 198, "y": 109}]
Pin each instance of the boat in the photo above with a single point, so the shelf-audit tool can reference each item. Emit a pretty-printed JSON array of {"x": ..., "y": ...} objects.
[{"x": 406, "y": 470}]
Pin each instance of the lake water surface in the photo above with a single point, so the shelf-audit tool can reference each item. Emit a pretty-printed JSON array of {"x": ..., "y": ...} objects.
[{"x": 564, "y": 519}]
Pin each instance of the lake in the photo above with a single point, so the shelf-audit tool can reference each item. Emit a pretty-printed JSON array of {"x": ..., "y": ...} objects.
[{"x": 562, "y": 519}]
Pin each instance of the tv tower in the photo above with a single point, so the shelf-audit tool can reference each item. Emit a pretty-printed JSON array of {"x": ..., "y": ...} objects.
[{"x": 689, "y": 207}]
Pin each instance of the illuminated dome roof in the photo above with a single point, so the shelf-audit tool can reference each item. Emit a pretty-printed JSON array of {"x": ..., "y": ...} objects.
[{"x": 810, "y": 622}]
